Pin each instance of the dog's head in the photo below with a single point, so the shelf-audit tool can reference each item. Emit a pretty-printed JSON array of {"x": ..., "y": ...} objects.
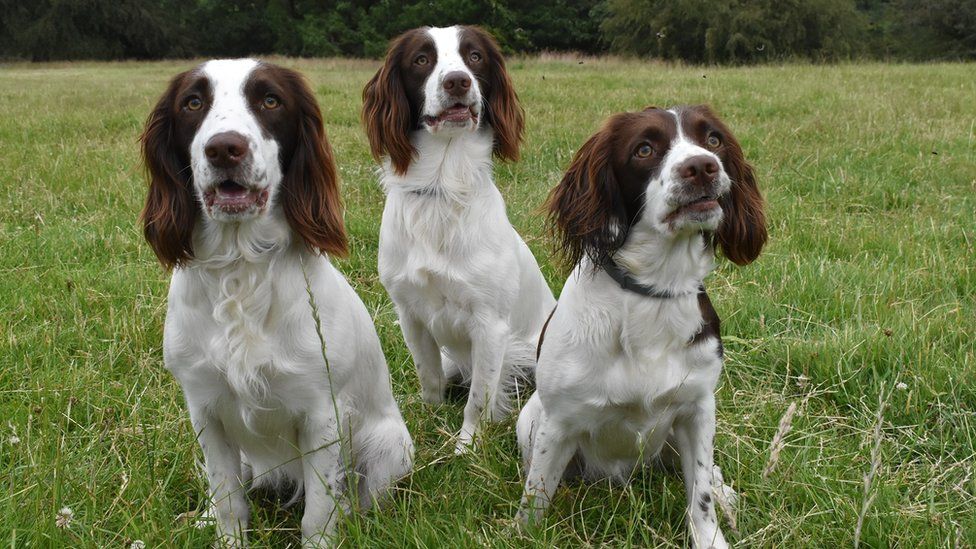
[
  {"x": 674, "y": 171},
  {"x": 444, "y": 81},
  {"x": 231, "y": 140}
]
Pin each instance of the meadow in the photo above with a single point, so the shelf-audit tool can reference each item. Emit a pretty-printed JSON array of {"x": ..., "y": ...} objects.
[{"x": 860, "y": 316}]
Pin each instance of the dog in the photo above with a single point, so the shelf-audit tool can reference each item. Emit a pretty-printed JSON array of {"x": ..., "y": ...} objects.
[
  {"x": 469, "y": 294},
  {"x": 631, "y": 357},
  {"x": 244, "y": 205}
]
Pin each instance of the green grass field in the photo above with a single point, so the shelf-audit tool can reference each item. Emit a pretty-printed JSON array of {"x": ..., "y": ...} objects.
[{"x": 864, "y": 301}]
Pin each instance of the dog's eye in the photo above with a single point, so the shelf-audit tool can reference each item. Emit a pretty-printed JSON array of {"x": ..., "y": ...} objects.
[
  {"x": 193, "y": 104},
  {"x": 271, "y": 102},
  {"x": 644, "y": 151},
  {"x": 474, "y": 57},
  {"x": 714, "y": 141},
  {"x": 421, "y": 60}
]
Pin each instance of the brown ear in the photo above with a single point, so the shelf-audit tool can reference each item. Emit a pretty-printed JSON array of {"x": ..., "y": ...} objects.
[
  {"x": 504, "y": 112},
  {"x": 171, "y": 210},
  {"x": 386, "y": 112},
  {"x": 742, "y": 232},
  {"x": 586, "y": 211},
  {"x": 310, "y": 190}
]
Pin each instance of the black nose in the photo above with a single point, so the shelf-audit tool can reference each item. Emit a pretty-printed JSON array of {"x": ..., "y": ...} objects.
[
  {"x": 457, "y": 83},
  {"x": 698, "y": 170},
  {"x": 226, "y": 150}
]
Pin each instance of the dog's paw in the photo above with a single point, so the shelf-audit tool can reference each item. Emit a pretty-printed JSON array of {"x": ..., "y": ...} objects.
[
  {"x": 229, "y": 541},
  {"x": 434, "y": 397},
  {"x": 464, "y": 444},
  {"x": 527, "y": 519}
]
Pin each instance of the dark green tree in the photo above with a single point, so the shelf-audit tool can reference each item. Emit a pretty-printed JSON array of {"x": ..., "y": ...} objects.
[
  {"x": 934, "y": 29},
  {"x": 734, "y": 30},
  {"x": 43, "y": 30}
]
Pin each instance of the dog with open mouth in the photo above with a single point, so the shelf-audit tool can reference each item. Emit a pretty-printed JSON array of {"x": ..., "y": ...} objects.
[
  {"x": 468, "y": 291},
  {"x": 631, "y": 357},
  {"x": 244, "y": 206}
]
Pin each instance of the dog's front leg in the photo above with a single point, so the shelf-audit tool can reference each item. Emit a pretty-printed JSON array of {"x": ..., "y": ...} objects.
[
  {"x": 222, "y": 459},
  {"x": 426, "y": 357},
  {"x": 551, "y": 452},
  {"x": 694, "y": 435},
  {"x": 488, "y": 346},
  {"x": 322, "y": 467}
]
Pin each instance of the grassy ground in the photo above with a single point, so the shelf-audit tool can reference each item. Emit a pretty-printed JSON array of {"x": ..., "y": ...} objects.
[{"x": 864, "y": 303}]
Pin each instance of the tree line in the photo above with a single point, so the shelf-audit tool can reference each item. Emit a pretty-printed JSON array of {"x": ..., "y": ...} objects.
[{"x": 700, "y": 31}]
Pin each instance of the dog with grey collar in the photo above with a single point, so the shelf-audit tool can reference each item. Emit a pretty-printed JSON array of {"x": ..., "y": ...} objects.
[{"x": 632, "y": 355}]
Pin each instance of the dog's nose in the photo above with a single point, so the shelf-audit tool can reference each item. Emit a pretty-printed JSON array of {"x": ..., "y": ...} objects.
[
  {"x": 457, "y": 83},
  {"x": 698, "y": 170},
  {"x": 226, "y": 150}
]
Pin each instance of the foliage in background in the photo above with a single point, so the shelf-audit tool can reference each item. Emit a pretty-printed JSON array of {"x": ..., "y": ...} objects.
[
  {"x": 936, "y": 29},
  {"x": 44, "y": 30},
  {"x": 734, "y": 30},
  {"x": 720, "y": 31}
]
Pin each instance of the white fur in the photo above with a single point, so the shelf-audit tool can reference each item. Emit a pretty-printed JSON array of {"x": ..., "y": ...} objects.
[
  {"x": 230, "y": 112},
  {"x": 448, "y": 42},
  {"x": 469, "y": 293},
  {"x": 241, "y": 340},
  {"x": 618, "y": 380}
]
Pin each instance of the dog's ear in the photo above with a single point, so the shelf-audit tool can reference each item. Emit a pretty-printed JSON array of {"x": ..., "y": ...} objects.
[
  {"x": 171, "y": 211},
  {"x": 586, "y": 209},
  {"x": 504, "y": 111},
  {"x": 742, "y": 233},
  {"x": 310, "y": 190},
  {"x": 386, "y": 111}
]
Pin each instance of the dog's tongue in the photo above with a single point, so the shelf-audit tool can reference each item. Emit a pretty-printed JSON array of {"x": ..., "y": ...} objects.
[
  {"x": 457, "y": 112},
  {"x": 230, "y": 189},
  {"x": 232, "y": 197}
]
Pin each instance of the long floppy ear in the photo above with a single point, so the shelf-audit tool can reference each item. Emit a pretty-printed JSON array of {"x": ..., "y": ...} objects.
[
  {"x": 310, "y": 190},
  {"x": 742, "y": 233},
  {"x": 586, "y": 210},
  {"x": 504, "y": 112},
  {"x": 171, "y": 211},
  {"x": 386, "y": 112}
]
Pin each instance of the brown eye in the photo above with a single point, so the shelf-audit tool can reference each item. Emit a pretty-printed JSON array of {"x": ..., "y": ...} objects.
[
  {"x": 194, "y": 104},
  {"x": 714, "y": 141},
  {"x": 271, "y": 102},
  {"x": 474, "y": 57},
  {"x": 644, "y": 151},
  {"x": 421, "y": 60}
]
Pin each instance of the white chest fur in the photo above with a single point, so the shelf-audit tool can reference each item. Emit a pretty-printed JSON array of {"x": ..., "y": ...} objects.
[{"x": 622, "y": 368}]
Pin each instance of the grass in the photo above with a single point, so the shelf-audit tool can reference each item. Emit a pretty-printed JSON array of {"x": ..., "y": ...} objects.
[{"x": 864, "y": 299}]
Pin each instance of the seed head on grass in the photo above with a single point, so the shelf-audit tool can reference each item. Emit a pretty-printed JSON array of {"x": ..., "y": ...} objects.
[
  {"x": 776, "y": 446},
  {"x": 869, "y": 493},
  {"x": 726, "y": 498}
]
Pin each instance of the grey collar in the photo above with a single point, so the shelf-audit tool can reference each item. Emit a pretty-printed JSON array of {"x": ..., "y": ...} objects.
[{"x": 629, "y": 283}]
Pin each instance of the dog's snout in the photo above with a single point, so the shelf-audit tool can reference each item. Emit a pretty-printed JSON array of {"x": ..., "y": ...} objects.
[
  {"x": 698, "y": 170},
  {"x": 226, "y": 150},
  {"x": 457, "y": 83}
]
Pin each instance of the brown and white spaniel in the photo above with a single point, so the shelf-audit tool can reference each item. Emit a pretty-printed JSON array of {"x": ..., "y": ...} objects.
[
  {"x": 244, "y": 203},
  {"x": 632, "y": 355},
  {"x": 469, "y": 293}
]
